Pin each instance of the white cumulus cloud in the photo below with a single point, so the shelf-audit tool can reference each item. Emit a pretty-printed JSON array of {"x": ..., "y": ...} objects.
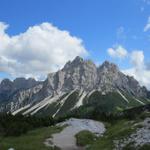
[
  {"x": 142, "y": 76},
  {"x": 137, "y": 59},
  {"x": 139, "y": 70},
  {"x": 117, "y": 52},
  {"x": 39, "y": 50}
]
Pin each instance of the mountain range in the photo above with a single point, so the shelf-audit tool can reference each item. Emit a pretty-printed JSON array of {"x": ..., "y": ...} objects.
[{"x": 79, "y": 83}]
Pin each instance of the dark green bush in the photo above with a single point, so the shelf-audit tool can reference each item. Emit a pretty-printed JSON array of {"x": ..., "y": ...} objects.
[{"x": 84, "y": 138}]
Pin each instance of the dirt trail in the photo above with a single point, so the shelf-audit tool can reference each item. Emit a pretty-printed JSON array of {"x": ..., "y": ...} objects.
[{"x": 66, "y": 140}]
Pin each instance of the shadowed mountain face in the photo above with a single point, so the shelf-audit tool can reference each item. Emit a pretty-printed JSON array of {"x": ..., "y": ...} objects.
[
  {"x": 8, "y": 88},
  {"x": 78, "y": 77}
]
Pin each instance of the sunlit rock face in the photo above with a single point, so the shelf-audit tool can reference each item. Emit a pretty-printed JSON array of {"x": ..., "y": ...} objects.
[{"x": 79, "y": 74}]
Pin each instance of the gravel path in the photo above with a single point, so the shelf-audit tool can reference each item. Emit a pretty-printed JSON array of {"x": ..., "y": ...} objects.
[{"x": 66, "y": 140}]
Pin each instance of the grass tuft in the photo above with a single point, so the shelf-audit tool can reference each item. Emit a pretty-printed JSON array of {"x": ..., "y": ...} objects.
[{"x": 84, "y": 138}]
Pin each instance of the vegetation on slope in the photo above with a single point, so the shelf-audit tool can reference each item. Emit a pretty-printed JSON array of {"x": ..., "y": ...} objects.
[
  {"x": 16, "y": 125},
  {"x": 106, "y": 108},
  {"x": 111, "y": 102},
  {"x": 84, "y": 138},
  {"x": 69, "y": 104},
  {"x": 121, "y": 129},
  {"x": 33, "y": 140},
  {"x": 118, "y": 126}
]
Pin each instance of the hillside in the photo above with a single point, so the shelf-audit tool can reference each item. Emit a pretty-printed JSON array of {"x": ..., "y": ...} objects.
[{"x": 78, "y": 83}]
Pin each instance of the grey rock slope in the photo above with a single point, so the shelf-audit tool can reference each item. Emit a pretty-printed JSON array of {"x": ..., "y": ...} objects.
[
  {"x": 15, "y": 92},
  {"x": 8, "y": 88},
  {"x": 83, "y": 74},
  {"x": 77, "y": 75}
]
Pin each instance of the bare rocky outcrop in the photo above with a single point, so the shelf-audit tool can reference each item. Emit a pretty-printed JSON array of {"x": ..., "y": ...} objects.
[
  {"x": 79, "y": 74},
  {"x": 137, "y": 139},
  {"x": 83, "y": 74},
  {"x": 17, "y": 93},
  {"x": 66, "y": 138}
]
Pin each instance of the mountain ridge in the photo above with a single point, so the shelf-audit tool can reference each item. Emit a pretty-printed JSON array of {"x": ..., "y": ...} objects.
[{"x": 80, "y": 76}]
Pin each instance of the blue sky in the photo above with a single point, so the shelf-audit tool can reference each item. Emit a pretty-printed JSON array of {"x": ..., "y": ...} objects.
[{"x": 101, "y": 24}]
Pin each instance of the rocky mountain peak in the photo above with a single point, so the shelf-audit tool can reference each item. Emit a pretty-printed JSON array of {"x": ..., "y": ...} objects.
[
  {"x": 74, "y": 63},
  {"x": 5, "y": 82},
  {"x": 83, "y": 74},
  {"x": 24, "y": 83},
  {"x": 6, "y": 85},
  {"x": 78, "y": 59},
  {"x": 79, "y": 62},
  {"x": 79, "y": 74},
  {"x": 109, "y": 66}
]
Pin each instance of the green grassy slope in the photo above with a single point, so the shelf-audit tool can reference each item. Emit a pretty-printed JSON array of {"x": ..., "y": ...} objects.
[
  {"x": 33, "y": 140},
  {"x": 120, "y": 129},
  {"x": 110, "y": 102},
  {"x": 84, "y": 138},
  {"x": 69, "y": 103}
]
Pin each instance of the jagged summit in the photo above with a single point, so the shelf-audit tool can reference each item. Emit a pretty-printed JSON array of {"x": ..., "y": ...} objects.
[
  {"x": 8, "y": 87},
  {"x": 77, "y": 75},
  {"x": 108, "y": 64},
  {"x": 78, "y": 59},
  {"x": 83, "y": 74},
  {"x": 6, "y": 81},
  {"x": 18, "y": 79}
]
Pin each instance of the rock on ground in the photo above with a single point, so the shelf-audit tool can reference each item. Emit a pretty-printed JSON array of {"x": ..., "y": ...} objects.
[{"x": 66, "y": 138}]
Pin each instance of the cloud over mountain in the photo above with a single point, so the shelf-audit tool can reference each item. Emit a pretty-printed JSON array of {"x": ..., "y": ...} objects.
[
  {"x": 117, "y": 52},
  {"x": 39, "y": 50},
  {"x": 139, "y": 70},
  {"x": 139, "y": 67}
]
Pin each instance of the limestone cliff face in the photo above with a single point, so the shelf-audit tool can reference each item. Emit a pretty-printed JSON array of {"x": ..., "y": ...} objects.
[
  {"x": 78, "y": 74},
  {"x": 9, "y": 88},
  {"x": 83, "y": 74}
]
